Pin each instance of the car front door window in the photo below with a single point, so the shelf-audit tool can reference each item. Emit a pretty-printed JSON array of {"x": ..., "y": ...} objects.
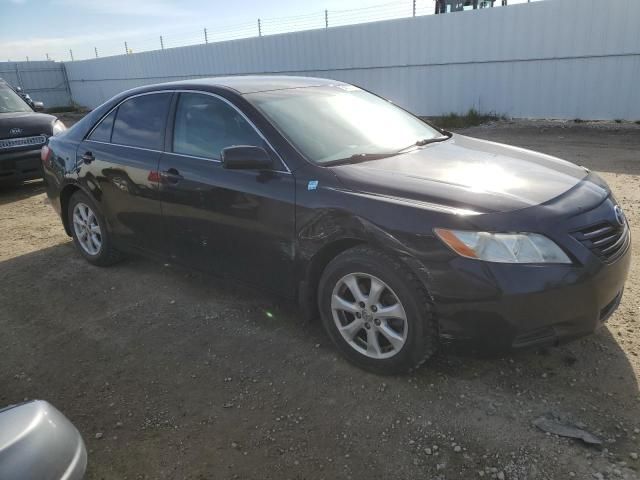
[{"x": 205, "y": 125}]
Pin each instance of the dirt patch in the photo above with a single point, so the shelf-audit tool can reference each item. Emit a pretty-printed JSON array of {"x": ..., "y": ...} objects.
[{"x": 185, "y": 376}]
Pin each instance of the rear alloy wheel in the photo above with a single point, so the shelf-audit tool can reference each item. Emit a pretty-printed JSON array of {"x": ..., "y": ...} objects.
[
  {"x": 89, "y": 231},
  {"x": 376, "y": 311}
]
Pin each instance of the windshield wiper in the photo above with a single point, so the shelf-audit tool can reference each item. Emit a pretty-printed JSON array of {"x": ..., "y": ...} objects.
[
  {"x": 426, "y": 141},
  {"x": 359, "y": 157},
  {"x": 365, "y": 157}
]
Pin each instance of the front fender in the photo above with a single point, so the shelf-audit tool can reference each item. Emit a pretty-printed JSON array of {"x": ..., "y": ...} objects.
[
  {"x": 332, "y": 227},
  {"x": 325, "y": 231}
]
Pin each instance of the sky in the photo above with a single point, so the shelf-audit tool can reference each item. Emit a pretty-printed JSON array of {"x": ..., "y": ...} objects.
[{"x": 35, "y": 28}]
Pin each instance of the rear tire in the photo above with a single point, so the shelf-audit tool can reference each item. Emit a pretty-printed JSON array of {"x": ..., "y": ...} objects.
[
  {"x": 89, "y": 231},
  {"x": 377, "y": 312}
]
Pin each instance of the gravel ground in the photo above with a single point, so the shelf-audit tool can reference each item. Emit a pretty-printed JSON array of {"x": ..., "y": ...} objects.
[{"x": 173, "y": 374}]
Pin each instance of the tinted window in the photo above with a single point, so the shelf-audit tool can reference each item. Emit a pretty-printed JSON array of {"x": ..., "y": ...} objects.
[
  {"x": 102, "y": 132},
  {"x": 140, "y": 121},
  {"x": 204, "y": 125}
]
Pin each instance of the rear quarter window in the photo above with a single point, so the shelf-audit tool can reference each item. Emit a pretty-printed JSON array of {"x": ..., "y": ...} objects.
[
  {"x": 102, "y": 133},
  {"x": 140, "y": 121}
]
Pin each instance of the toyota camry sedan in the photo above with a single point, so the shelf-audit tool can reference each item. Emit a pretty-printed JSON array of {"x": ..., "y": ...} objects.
[{"x": 396, "y": 234}]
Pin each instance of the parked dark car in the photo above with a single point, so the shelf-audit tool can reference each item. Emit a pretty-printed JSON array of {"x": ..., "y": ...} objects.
[
  {"x": 22, "y": 134},
  {"x": 398, "y": 234}
]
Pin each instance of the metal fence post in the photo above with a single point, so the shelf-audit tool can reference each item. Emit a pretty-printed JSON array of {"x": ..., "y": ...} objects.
[
  {"x": 206, "y": 37},
  {"x": 326, "y": 18},
  {"x": 259, "y": 28},
  {"x": 414, "y": 8},
  {"x": 126, "y": 48},
  {"x": 47, "y": 56},
  {"x": 66, "y": 82},
  {"x": 71, "y": 54},
  {"x": 161, "y": 43},
  {"x": 95, "y": 49},
  {"x": 18, "y": 78}
]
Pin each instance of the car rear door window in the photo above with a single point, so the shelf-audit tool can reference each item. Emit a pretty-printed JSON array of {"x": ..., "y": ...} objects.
[
  {"x": 102, "y": 133},
  {"x": 140, "y": 121},
  {"x": 205, "y": 125}
]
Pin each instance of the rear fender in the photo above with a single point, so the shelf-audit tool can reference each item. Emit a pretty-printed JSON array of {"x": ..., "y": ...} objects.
[{"x": 90, "y": 188}]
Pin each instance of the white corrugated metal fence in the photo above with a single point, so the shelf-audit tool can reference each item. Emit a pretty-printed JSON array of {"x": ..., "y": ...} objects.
[
  {"x": 43, "y": 81},
  {"x": 551, "y": 59}
]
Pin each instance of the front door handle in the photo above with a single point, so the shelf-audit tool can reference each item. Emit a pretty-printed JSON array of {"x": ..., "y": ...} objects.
[
  {"x": 88, "y": 157},
  {"x": 171, "y": 176}
]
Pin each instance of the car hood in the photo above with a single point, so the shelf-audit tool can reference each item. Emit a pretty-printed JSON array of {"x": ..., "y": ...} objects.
[
  {"x": 468, "y": 173},
  {"x": 29, "y": 123}
]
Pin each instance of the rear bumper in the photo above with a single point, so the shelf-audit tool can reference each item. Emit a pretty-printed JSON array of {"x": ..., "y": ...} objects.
[
  {"x": 19, "y": 166},
  {"x": 512, "y": 306}
]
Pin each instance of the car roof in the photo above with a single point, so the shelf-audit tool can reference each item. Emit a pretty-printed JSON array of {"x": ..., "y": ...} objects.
[
  {"x": 240, "y": 84},
  {"x": 253, "y": 83}
]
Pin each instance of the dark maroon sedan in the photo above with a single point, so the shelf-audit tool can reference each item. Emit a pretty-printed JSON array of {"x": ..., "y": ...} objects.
[{"x": 396, "y": 233}]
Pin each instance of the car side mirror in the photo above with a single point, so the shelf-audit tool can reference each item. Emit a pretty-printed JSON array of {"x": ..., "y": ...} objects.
[
  {"x": 245, "y": 157},
  {"x": 38, "y": 106},
  {"x": 37, "y": 441}
]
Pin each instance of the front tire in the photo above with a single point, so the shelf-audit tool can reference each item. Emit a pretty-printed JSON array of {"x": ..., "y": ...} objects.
[
  {"x": 377, "y": 312},
  {"x": 89, "y": 231}
]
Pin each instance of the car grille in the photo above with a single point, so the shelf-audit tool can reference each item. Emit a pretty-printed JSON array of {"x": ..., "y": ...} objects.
[
  {"x": 35, "y": 141},
  {"x": 538, "y": 336},
  {"x": 606, "y": 240}
]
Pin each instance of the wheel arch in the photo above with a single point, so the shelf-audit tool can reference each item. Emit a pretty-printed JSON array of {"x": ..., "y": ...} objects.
[
  {"x": 308, "y": 289},
  {"x": 66, "y": 193},
  {"x": 65, "y": 197}
]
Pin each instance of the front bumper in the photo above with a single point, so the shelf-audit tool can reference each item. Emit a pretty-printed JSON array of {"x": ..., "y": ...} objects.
[
  {"x": 19, "y": 166},
  {"x": 511, "y": 306}
]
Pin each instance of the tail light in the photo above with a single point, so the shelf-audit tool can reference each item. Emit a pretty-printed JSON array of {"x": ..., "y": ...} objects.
[{"x": 45, "y": 153}]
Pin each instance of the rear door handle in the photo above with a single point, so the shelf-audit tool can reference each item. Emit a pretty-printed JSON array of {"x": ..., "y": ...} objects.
[
  {"x": 171, "y": 176},
  {"x": 88, "y": 157}
]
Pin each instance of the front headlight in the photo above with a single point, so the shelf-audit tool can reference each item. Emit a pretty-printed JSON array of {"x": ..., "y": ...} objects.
[
  {"x": 58, "y": 127},
  {"x": 503, "y": 247}
]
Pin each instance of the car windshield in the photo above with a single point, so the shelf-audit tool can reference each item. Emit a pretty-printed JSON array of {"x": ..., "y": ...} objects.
[
  {"x": 11, "y": 102},
  {"x": 331, "y": 123}
]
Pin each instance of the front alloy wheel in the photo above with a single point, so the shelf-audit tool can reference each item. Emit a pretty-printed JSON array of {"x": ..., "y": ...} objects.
[
  {"x": 369, "y": 315},
  {"x": 376, "y": 311}
]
